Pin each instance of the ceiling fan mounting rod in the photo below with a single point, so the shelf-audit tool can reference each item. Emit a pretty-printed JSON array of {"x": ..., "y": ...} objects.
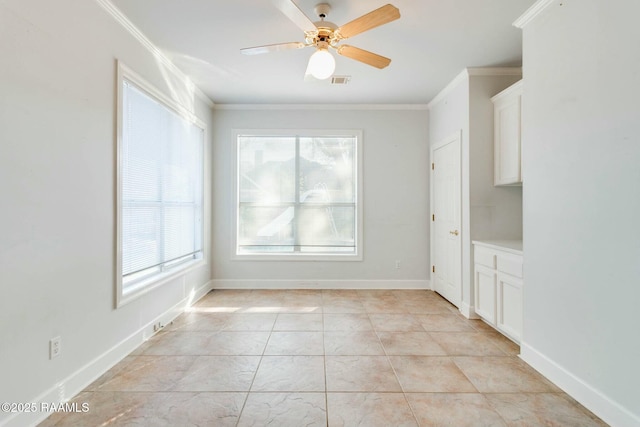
[{"x": 322, "y": 10}]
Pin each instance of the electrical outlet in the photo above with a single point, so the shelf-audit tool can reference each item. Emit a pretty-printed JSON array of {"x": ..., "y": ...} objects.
[
  {"x": 55, "y": 347},
  {"x": 397, "y": 264}
]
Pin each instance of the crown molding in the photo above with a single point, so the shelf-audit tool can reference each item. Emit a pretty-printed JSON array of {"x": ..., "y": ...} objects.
[
  {"x": 122, "y": 19},
  {"x": 340, "y": 107},
  {"x": 473, "y": 72},
  {"x": 462, "y": 76},
  {"x": 532, "y": 13}
]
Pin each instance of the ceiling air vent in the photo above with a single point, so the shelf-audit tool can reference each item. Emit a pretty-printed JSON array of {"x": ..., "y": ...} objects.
[{"x": 340, "y": 80}]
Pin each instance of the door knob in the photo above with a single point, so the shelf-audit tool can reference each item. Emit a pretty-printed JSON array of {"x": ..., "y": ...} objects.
[{"x": 455, "y": 232}]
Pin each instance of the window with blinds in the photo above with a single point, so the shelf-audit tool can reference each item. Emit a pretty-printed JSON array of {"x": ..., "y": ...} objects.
[
  {"x": 160, "y": 189},
  {"x": 297, "y": 194}
]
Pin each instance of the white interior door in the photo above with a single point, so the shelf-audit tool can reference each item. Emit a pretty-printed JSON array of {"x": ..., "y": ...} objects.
[{"x": 445, "y": 231}]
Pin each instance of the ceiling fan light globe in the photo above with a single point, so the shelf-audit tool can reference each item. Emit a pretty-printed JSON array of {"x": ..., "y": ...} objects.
[{"x": 322, "y": 64}]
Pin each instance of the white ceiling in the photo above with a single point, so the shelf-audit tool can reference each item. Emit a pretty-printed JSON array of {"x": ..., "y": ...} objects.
[{"x": 429, "y": 45}]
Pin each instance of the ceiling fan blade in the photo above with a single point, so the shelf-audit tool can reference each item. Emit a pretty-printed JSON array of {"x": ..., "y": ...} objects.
[
  {"x": 293, "y": 12},
  {"x": 364, "y": 56},
  {"x": 272, "y": 48},
  {"x": 371, "y": 20}
]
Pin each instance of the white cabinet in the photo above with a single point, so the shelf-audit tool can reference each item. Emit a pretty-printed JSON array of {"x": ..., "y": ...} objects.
[
  {"x": 509, "y": 301},
  {"x": 498, "y": 285},
  {"x": 507, "y": 131},
  {"x": 485, "y": 293}
]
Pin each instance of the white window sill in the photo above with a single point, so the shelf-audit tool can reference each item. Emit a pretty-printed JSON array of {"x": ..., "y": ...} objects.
[
  {"x": 147, "y": 285},
  {"x": 297, "y": 257}
]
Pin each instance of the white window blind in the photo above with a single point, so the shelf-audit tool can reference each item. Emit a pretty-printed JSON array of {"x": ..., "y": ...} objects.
[
  {"x": 297, "y": 194},
  {"x": 161, "y": 193}
]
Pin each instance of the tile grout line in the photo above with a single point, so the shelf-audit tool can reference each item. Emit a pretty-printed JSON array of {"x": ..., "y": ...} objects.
[
  {"x": 246, "y": 399},
  {"x": 404, "y": 394}
]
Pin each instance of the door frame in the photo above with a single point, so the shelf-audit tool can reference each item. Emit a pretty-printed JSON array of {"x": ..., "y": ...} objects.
[{"x": 455, "y": 138}]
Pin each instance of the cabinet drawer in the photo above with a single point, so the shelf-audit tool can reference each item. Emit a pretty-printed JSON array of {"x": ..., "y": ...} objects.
[
  {"x": 510, "y": 264},
  {"x": 484, "y": 257}
]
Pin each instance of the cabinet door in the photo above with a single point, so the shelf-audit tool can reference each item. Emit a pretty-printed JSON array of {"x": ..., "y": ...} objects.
[
  {"x": 507, "y": 169},
  {"x": 485, "y": 293},
  {"x": 509, "y": 299}
]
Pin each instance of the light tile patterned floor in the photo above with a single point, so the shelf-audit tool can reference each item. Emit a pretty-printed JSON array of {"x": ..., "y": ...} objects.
[{"x": 325, "y": 358}]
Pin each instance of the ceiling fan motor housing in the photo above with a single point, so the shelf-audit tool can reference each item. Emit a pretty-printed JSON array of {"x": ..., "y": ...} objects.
[{"x": 324, "y": 36}]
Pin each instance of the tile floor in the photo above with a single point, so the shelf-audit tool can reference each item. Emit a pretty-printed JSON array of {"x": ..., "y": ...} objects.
[{"x": 325, "y": 358}]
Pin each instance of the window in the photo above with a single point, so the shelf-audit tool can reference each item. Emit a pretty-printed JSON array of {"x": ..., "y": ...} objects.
[
  {"x": 298, "y": 195},
  {"x": 160, "y": 188}
]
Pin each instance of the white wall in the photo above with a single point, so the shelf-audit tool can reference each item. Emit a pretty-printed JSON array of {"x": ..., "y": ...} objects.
[
  {"x": 449, "y": 111},
  {"x": 581, "y": 154},
  {"x": 487, "y": 212},
  {"x": 57, "y": 181},
  {"x": 395, "y": 148}
]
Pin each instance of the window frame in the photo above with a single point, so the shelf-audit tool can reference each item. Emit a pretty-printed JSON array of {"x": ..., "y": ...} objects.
[
  {"x": 126, "y": 294},
  {"x": 357, "y": 255}
]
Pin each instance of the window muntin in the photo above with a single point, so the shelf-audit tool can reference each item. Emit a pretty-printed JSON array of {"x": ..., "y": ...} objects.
[
  {"x": 160, "y": 194},
  {"x": 298, "y": 193}
]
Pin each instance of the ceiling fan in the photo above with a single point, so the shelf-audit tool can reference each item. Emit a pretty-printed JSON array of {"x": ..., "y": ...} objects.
[{"x": 324, "y": 35}]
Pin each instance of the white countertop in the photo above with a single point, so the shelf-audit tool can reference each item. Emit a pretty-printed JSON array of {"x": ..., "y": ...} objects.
[{"x": 513, "y": 246}]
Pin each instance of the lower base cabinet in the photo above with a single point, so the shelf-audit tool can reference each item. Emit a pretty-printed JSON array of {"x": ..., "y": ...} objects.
[
  {"x": 498, "y": 286},
  {"x": 509, "y": 300},
  {"x": 485, "y": 293}
]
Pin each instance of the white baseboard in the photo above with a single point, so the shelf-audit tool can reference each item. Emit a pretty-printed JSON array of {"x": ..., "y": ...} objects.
[
  {"x": 604, "y": 407},
  {"x": 84, "y": 376},
  {"x": 320, "y": 284},
  {"x": 468, "y": 311}
]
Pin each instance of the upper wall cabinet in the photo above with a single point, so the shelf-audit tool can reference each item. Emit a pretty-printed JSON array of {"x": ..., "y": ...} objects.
[{"x": 507, "y": 165}]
